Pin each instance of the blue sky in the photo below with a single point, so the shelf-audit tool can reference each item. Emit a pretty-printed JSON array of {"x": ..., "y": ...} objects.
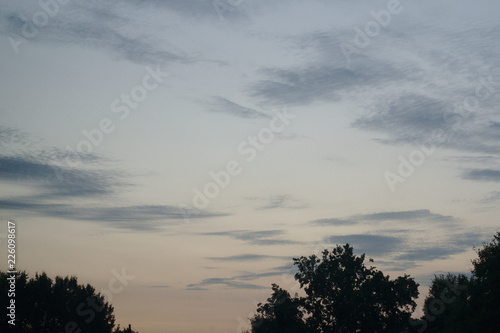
[{"x": 200, "y": 145}]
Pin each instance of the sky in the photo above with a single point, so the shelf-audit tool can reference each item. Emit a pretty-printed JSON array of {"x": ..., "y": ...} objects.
[{"x": 178, "y": 154}]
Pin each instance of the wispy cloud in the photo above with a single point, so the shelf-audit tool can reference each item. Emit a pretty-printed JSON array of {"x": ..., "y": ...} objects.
[
  {"x": 227, "y": 282},
  {"x": 13, "y": 136},
  {"x": 334, "y": 222},
  {"x": 245, "y": 257},
  {"x": 413, "y": 119},
  {"x": 223, "y": 105},
  {"x": 317, "y": 82},
  {"x": 491, "y": 198},
  {"x": 485, "y": 175},
  {"x": 264, "y": 237},
  {"x": 237, "y": 282},
  {"x": 281, "y": 201},
  {"x": 403, "y": 247},
  {"x": 454, "y": 243},
  {"x": 410, "y": 118},
  {"x": 405, "y": 253},
  {"x": 141, "y": 217},
  {"x": 70, "y": 182},
  {"x": 125, "y": 29},
  {"x": 55, "y": 184},
  {"x": 407, "y": 215},
  {"x": 430, "y": 253},
  {"x": 376, "y": 245}
]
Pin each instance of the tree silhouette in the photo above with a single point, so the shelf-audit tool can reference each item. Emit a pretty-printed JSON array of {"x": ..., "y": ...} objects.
[
  {"x": 342, "y": 295},
  {"x": 125, "y": 330},
  {"x": 485, "y": 291},
  {"x": 446, "y": 305},
  {"x": 43, "y": 305},
  {"x": 457, "y": 303},
  {"x": 281, "y": 314}
]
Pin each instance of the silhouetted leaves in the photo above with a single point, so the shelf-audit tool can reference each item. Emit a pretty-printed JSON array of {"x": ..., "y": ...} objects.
[
  {"x": 457, "y": 303},
  {"x": 342, "y": 295},
  {"x": 43, "y": 305}
]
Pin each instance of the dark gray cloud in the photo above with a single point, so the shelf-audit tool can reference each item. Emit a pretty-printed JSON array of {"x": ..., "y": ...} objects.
[
  {"x": 281, "y": 201},
  {"x": 485, "y": 175},
  {"x": 277, "y": 271},
  {"x": 128, "y": 29},
  {"x": 407, "y": 215},
  {"x": 236, "y": 282},
  {"x": 138, "y": 218},
  {"x": 396, "y": 244},
  {"x": 320, "y": 82},
  {"x": 334, "y": 222},
  {"x": 375, "y": 245},
  {"x": 403, "y": 115},
  {"x": 408, "y": 119},
  {"x": 53, "y": 173},
  {"x": 455, "y": 243},
  {"x": 430, "y": 253},
  {"x": 223, "y": 105},
  {"x": 418, "y": 119},
  {"x": 227, "y": 282},
  {"x": 264, "y": 237},
  {"x": 402, "y": 254},
  {"x": 9, "y": 136},
  {"x": 101, "y": 25},
  {"x": 47, "y": 173},
  {"x": 56, "y": 181}
]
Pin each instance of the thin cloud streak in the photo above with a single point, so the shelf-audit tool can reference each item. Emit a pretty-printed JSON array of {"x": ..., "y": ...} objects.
[
  {"x": 484, "y": 175},
  {"x": 223, "y": 105},
  {"x": 408, "y": 215},
  {"x": 264, "y": 237},
  {"x": 140, "y": 218}
]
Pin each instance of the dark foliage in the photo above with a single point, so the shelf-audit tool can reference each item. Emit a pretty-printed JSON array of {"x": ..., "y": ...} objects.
[
  {"x": 457, "y": 303},
  {"x": 342, "y": 295},
  {"x": 43, "y": 305}
]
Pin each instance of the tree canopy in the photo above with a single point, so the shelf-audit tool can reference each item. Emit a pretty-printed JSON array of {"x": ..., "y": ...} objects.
[
  {"x": 281, "y": 313},
  {"x": 43, "y": 305},
  {"x": 459, "y": 303},
  {"x": 342, "y": 295}
]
